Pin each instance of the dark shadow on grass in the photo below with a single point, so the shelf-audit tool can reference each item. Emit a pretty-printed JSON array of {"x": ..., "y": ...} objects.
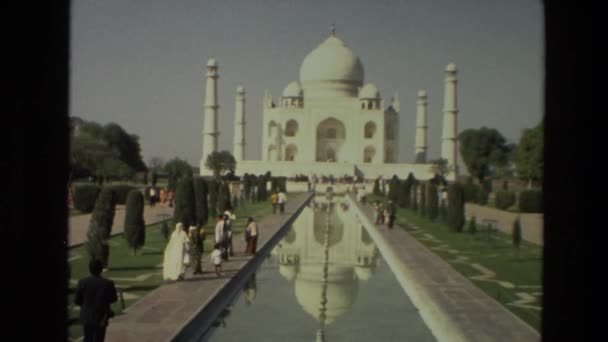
[
  {"x": 152, "y": 253},
  {"x": 133, "y": 268}
]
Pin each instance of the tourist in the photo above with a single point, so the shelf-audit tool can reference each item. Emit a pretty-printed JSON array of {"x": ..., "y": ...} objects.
[
  {"x": 274, "y": 200},
  {"x": 220, "y": 236},
  {"x": 162, "y": 196},
  {"x": 391, "y": 214},
  {"x": 171, "y": 197},
  {"x": 252, "y": 232},
  {"x": 152, "y": 196},
  {"x": 175, "y": 254},
  {"x": 216, "y": 258},
  {"x": 282, "y": 200},
  {"x": 386, "y": 214},
  {"x": 377, "y": 212},
  {"x": 229, "y": 218},
  {"x": 94, "y": 294},
  {"x": 195, "y": 250}
]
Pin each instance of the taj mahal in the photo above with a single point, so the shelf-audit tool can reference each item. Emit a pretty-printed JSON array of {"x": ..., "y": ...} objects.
[{"x": 331, "y": 122}]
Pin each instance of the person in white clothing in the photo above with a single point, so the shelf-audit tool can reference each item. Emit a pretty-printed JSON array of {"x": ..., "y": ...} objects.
[
  {"x": 282, "y": 201},
  {"x": 175, "y": 252},
  {"x": 229, "y": 218},
  {"x": 216, "y": 259},
  {"x": 220, "y": 234}
]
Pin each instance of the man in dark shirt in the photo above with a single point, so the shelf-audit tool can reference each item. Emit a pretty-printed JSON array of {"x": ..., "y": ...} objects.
[{"x": 94, "y": 294}]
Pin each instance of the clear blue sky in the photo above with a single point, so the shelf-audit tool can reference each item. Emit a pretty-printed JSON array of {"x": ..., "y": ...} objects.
[{"x": 141, "y": 63}]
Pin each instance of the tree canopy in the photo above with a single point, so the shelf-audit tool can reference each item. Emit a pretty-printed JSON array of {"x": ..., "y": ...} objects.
[
  {"x": 220, "y": 162},
  {"x": 482, "y": 150},
  {"x": 177, "y": 169},
  {"x": 529, "y": 155},
  {"x": 107, "y": 151}
]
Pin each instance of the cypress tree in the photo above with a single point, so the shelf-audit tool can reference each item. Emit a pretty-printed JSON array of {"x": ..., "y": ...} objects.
[
  {"x": 103, "y": 212},
  {"x": 274, "y": 184},
  {"x": 402, "y": 194},
  {"x": 409, "y": 181},
  {"x": 164, "y": 229},
  {"x": 456, "y": 217},
  {"x": 433, "y": 200},
  {"x": 184, "y": 202},
  {"x": 377, "y": 186},
  {"x": 473, "y": 225},
  {"x": 393, "y": 189},
  {"x": 423, "y": 203},
  {"x": 135, "y": 227},
  {"x": 516, "y": 233},
  {"x": 262, "y": 192},
  {"x": 414, "y": 192},
  {"x": 247, "y": 186},
  {"x": 223, "y": 197},
  {"x": 201, "y": 212},
  {"x": 213, "y": 187}
]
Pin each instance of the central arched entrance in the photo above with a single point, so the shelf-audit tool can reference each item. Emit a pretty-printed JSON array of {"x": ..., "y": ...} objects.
[{"x": 331, "y": 135}]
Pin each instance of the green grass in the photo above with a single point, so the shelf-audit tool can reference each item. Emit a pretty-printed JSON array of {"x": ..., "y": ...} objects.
[
  {"x": 124, "y": 265},
  {"x": 498, "y": 256}
]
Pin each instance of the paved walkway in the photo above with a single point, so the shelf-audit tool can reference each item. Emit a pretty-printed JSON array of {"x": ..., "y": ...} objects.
[
  {"x": 451, "y": 305},
  {"x": 531, "y": 224},
  {"x": 165, "y": 311},
  {"x": 79, "y": 224}
]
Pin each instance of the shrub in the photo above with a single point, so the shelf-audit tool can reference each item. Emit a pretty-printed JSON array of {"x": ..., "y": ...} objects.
[
  {"x": 121, "y": 192},
  {"x": 504, "y": 199},
  {"x": 482, "y": 196},
  {"x": 456, "y": 217},
  {"x": 201, "y": 210},
  {"x": 470, "y": 192},
  {"x": 472, "y": 225},
  {"x": 85, "y": 196},
  {"x": 531, "y": 201},
  {"x": 184, "y": 202},
  {"x": 433, "y": 201},
  {"x": 135, "y": 227}
]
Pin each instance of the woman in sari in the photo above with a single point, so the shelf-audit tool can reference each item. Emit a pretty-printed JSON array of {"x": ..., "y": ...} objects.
[{"x": 173, "y": 262}]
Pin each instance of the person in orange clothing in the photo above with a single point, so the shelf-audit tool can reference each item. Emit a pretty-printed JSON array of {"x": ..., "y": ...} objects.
[
  {"x": 162, "y": 197},
  {"x": 274, "y": 200}
]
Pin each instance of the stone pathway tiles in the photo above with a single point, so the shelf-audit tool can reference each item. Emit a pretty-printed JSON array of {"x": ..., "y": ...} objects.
[
  {"x": 165, "y": 310},
  {"x": 455, "y": 301},
  {"x": 78, "y": 225}
]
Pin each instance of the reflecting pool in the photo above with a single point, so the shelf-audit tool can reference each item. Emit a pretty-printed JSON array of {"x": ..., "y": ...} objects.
[{"x": 325, "y": 281}]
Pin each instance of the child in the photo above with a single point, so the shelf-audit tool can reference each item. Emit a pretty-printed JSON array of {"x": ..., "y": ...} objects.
[{"x": 216, "y": 258}]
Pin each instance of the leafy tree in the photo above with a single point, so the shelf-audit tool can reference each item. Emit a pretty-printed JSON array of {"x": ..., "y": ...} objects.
[
  {"x": 87, "y": 154},
  {"x": 482, "y": 149},
  {"x": 433, "y": 200},
  {"x": 439, "y": 167},
  {"x": 135, "y": 227},
  {"x": 456, "y": 218},
  {"x": 127, "y": 146},
  {"x": 177, "y": 169},
  {"x": 156, "y": 164},
  {"x": 219, "y": 162},
  {"x": 200, "y": 199},
  {"x": 184, "y": 202},
  {"x": 111, "y": 168},
  {"x": 529, "y": 155},
  {"x": 223, "y": 197}
]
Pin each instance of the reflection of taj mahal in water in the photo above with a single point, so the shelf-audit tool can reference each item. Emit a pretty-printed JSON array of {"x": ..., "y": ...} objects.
[
  {"x": 330, "y": 122},
  {"x": 326, "y": 269}
]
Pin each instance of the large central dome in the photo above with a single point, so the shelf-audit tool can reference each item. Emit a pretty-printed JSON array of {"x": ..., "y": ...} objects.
[{"x": 331, "y": 69}]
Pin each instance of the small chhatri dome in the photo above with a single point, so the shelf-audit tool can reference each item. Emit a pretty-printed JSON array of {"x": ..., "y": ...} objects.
[
  {"x": 369, "y": 91},
  {"x": 450, "y": 67},
  {"x": 212, "y": 62},
  {"x": 240, "y": 89},
  {"x": 293, "y": 89},
  {"x": 422, "y": 93},
  {"x": 332, "y": 61}
]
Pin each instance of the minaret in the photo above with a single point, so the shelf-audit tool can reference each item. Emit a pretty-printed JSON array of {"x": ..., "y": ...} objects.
[
  {"x": 210, "y": 133},
  {"x": 421, "y": 147},
  {"x": 239, "y": 124},
  {"x": 396, "y": 104},
  {"x": 449, "y": 139}
]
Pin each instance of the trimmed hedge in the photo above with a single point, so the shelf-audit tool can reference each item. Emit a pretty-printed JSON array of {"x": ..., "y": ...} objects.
[
  {"x": 121, "y": 192},
  {"x": 531, "y": 201},
  {"x": 470, "y": 192},
  {"x": 482, "y": 196},
  {"x": 504, "y": 199},
  {"x": 85, "y": 196}
]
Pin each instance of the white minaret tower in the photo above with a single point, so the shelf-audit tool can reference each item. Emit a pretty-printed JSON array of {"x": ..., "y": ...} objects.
[
  {"x": 421, "y": 126},
  {"x": 449, "y": 149},
  {"x": 239, "y": 124},
  {"x": 210, "y": 133}
]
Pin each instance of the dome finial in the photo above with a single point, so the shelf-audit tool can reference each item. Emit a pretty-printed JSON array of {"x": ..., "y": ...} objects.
[{"x": 333, "y": 29}]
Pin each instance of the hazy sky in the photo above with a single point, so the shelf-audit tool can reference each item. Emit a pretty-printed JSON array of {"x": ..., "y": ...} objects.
[{"x": 141, "y": 63}]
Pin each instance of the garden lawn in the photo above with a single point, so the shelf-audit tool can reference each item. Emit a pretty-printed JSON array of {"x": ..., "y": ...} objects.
[
  {"x": 473, "y": 255},
  {"x": 136, "y": 275}
]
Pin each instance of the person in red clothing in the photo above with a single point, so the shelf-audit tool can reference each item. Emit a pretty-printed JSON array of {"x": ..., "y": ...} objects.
[{"x": 171, "y": 197}]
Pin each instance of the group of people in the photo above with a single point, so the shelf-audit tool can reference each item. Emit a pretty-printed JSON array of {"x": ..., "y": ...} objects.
[
  {"x": 162, "y": 196},
  {"x": 278, "y": 199},
  {"x": 385, "y": 213}
]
